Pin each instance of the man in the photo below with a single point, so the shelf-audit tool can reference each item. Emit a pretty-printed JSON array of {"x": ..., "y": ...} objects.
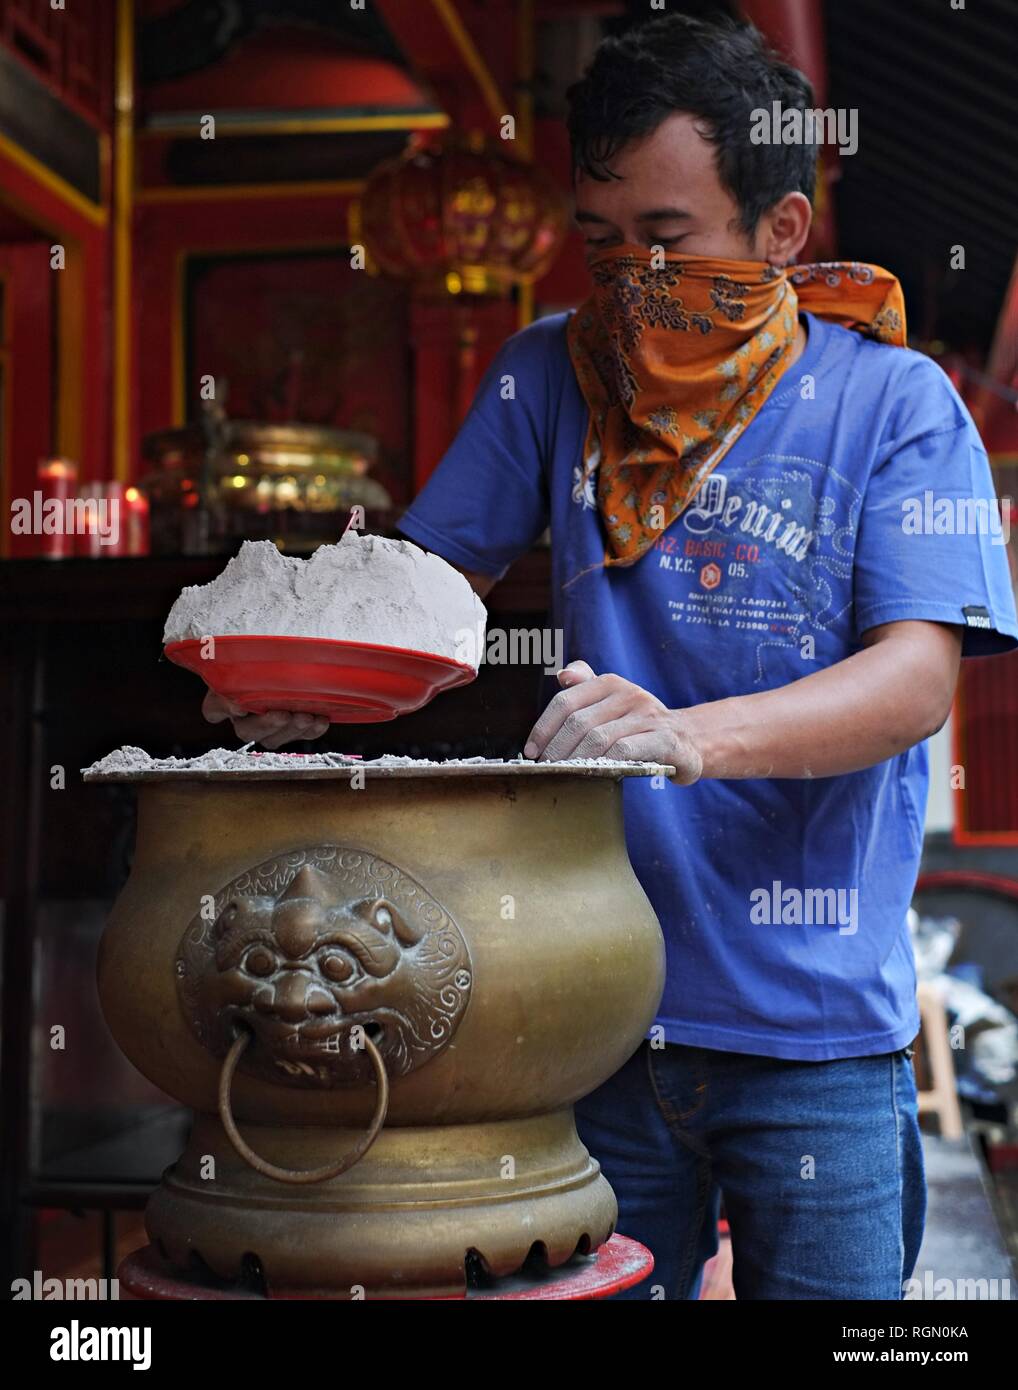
[{"x": 728, "y": 479}]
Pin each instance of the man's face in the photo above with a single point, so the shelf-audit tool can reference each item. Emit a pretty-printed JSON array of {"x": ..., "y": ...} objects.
[{"x": 667, "y": 193}]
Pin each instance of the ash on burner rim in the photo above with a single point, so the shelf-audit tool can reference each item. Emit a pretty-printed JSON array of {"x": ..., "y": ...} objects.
[{"x": 129, "y": 764}]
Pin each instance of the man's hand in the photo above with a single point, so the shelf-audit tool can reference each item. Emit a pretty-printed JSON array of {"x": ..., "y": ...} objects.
[
  {"x": 869, "y": 707},
  {"x": 608, "y": 717},
  {"x": 271, "y": 730}
]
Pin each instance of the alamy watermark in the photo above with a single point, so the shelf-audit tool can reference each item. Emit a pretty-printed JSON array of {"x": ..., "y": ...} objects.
[
  {"x": 41, "y": 1289},
  {"x": 789, "y": 125},
  {"x": 969, "y": 1290},
  {"x": 516, "y": 646},
  {"x": 67, "y": 516},
  {"x": 80, "y": 1342},
  {"x": 796, "y": 907},
  {"x": 931, "y": 515}
]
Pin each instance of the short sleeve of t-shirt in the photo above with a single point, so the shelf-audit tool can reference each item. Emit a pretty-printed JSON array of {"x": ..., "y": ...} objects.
[
  {"x": 487, "y": 501},
  {"x": 932, "y": 539}
]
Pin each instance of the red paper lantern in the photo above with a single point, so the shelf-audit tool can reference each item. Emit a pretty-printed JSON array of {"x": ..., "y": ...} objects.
[{"x": 462, "y": 218}]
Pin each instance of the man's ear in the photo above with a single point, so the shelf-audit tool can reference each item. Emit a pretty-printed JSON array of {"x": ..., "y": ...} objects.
[{"x": 786, "y": 227}]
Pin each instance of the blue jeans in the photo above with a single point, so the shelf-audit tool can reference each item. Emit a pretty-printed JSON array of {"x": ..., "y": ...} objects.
[{"x": 819, "y": 1163}]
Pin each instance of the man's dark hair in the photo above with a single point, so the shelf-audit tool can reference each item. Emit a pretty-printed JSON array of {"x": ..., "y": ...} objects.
[{"x": 718, "y": 70}]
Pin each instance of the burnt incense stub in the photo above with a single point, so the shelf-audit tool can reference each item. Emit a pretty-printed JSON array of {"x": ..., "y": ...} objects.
[{"x": 314, "y": 950}]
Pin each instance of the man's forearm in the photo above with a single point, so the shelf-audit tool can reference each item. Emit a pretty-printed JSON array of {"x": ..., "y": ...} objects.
[{"x": 865, "y": 709}]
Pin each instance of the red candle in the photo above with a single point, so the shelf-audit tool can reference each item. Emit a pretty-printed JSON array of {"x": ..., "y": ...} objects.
[
  {"x": 114, "y": 522},
  {"x": 136, "y": 521},
  {"x": 99, "y": 533},
  {"x": 86, "y": 536},
  {"x": 57, "y": 480}
]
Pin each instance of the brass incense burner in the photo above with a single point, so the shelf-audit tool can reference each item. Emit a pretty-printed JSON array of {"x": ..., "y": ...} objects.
[{"x": 381, "y": 995}]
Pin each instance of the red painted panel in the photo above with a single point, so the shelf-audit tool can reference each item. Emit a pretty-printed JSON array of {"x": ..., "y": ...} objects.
[
  {"x": 448, "y": 369},
  {"x": 987, "y": 714},
  {"x": 421, "y": 32},
  {"x": 288, "y": 70},
  {"x": 164, "y": 233},
  {"x": 303, "y": 337},
  {"x": 164, "y": 236},
  {"x": 27, "y": 284},
  {"x": 61, "y": 223},
  {"x": 69, "y": 49}
]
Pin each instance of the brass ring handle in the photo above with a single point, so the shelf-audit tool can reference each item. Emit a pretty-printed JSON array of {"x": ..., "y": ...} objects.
[{"x": 297, "y": 1175}]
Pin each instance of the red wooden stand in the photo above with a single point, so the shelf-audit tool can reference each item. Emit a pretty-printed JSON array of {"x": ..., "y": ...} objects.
[{"x": 618, "y": 1265}]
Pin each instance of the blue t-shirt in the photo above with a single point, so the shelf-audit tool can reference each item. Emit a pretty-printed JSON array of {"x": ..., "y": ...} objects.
[{"x": 783, "y": 902}]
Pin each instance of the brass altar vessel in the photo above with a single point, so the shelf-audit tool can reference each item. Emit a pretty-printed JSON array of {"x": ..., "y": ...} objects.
[
  {"x": 381, "y": 995},
  {"x": 246, "y": 479}
]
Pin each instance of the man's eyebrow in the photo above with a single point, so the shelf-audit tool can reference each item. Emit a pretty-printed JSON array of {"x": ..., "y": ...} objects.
[
  {"x": 663, "y": 215},
  {"x": 590, "y": 217}
]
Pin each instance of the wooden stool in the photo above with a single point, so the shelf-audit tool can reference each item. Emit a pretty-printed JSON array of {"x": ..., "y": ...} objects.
[{"x": 934, "y": 1047}]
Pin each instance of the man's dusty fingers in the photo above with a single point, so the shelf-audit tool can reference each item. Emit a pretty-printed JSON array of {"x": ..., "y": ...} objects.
[
  {"x": 574, "y": 673},
  {"x": 560, "y": 707},
  {"x": 279, "y": 727},
  {"x": 215, "y": 709},
  {"x": 582, "y": 729},
  {"x": 602, "y": 738},
  {"x": 270, "y": 729}
]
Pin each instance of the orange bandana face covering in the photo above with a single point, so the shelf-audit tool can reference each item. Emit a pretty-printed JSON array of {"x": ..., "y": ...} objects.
[{"x": 675, "y": 359}]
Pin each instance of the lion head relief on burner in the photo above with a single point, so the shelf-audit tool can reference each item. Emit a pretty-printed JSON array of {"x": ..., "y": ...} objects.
[{"x": 314, "y": 950}]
